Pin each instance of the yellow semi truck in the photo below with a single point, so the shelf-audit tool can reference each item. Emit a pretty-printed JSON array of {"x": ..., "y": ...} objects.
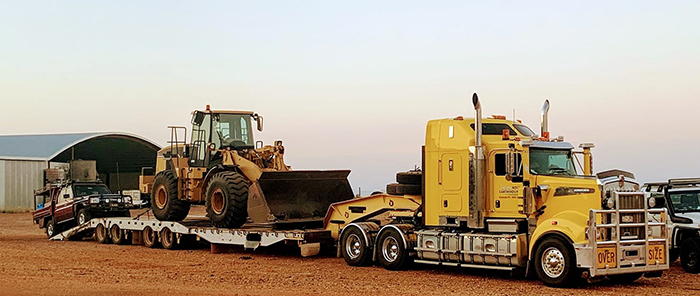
[{"x": 497, "y": 196}]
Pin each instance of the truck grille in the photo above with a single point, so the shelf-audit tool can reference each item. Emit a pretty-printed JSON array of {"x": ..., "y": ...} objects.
[{"x": 628, "y": 202}]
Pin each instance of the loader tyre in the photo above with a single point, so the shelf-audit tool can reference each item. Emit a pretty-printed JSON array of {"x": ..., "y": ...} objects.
[
  {"x": 690, "y": 255},
  {"x": 354, "y": 248},
  {"x": 227, "y": 200},
  {"x": 555, "y": 263},
  {"x": 411, "y": 177},
  {"x": 165, "y": 204},
  {"x": 101, "y": 235},
  {"x": 391, "y": 252}
]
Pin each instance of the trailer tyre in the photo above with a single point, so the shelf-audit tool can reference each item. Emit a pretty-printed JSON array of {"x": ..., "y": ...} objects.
[
  {"x": 690, "y": 255},
  {"x": 101, "y": 235},
  {"x": 227, "y": 200},
  {"x": 119, "y": 236},
  {"x": 392, "y": 253},
  {"x": 555, "y": 263},
  {"x": 150, "y": 238},
  {"x": 168, "y": 239},
  {"x": 354, "y": 248},
  {"x": 165, "y": 204}
]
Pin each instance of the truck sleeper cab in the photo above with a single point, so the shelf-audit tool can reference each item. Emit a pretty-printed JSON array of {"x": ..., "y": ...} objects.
[{"x": 496, "y": 196}]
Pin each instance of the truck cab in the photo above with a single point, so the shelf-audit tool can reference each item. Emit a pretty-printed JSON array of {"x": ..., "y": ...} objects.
[{"x": 75, "y": 203}]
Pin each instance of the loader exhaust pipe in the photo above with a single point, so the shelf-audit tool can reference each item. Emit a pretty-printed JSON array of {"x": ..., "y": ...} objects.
[
  {"x": 545, "y": 121},
  {"x": 476, "y": 201}
]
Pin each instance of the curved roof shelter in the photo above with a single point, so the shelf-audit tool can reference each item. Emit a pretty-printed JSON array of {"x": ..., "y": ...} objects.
[{"x": 23, "y": 158}]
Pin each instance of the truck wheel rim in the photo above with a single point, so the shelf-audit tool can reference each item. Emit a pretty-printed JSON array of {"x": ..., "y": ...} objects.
[
  {"x": 353, "y": 247},
  {"x": 553, "y": 262},
  {"x": 161, "y": 197},
  {"x": 390, "y": 249},
  {"x": 217, "y": 201},
  {"x": 148, "y": 235}
]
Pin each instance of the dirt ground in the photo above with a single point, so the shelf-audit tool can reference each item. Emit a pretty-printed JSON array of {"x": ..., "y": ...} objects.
[{"x": 32, "y": 265}]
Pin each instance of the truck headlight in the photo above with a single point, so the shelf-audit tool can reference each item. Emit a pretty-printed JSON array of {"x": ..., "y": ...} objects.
[
  {"x": 651, "y": 202},
  {"x": 609, "y": 203},
  {"x": 127, "y": 199},
  {"x": 94, "y": 200}
]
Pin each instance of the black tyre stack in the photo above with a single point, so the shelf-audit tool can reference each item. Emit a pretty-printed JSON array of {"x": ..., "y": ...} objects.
[{"x": 410, "y": 182}]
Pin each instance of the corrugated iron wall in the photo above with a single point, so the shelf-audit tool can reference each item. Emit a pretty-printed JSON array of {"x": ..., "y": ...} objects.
[{"x": 18, "y": 180}]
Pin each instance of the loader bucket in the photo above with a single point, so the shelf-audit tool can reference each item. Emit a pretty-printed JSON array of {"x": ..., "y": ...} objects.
[{"x": 303, "y": 195}]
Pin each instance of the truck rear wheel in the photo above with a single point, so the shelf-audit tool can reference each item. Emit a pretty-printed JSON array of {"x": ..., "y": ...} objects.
[
  {"x": 150, "y": 238},
  {"x": 165, "y": 204},
  {"x": 119, "y": 236},
  {"x": 690, "y": 255},
  {"x": 101, "y": 234},
  {"x": 392, "y": 253},
  {"x": 227, "y": 200},
  {"x": 354, "y": 248},
  {"x": 168, "y": 239},
  {"x": 555, "y": 263}
]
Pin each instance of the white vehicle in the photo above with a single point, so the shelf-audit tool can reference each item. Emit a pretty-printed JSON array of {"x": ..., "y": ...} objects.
[{"x": 681, "y": 197}]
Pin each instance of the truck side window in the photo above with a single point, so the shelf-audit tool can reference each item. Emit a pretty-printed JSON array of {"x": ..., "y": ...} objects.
[{"x": 500, "y": 164}]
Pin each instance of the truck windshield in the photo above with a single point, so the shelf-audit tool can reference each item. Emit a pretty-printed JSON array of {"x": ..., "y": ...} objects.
[
  {"x": 524, "y": 130},
  {"x": 232, "y": 130},
  {"x": 551, "y": 162},
  {"x": 83, "y": 190},
  {"x": 685, "y": 201}
]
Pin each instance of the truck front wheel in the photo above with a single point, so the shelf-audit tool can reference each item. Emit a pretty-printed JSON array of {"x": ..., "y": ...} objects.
[
  {"x": 165, "y": 204},
  {"x": 555, "y": 263},
  {"x": 690, "y": 255},
  {"x": 227, "y": 200}
]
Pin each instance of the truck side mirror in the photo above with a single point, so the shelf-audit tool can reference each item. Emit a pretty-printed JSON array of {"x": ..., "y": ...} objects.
[
  {"x": 260, "y": 123},
  {"x": 197, "y": 118}
]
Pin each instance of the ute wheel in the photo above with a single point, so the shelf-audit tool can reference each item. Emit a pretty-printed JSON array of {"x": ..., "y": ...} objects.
[
  {"x": 410, "y": 177},
  {"x": 555, "y": 263},
  {"x": 626, "y": 278},
  {"x": 690, "y": 255},
  {"x": 391, "y": 252},
  {"x": 227, "y": 200},
  {"x": 673, "y": 255},
  {"x": 83, "y": 216},
  {"x": 51, "y": 228},
  {"x": 165, "y": 204},
  {"x": 150, "y": 238},
  {"x": 119, "y": 236},
  {"x": 354, "y": 249},
  {"x": 168, "y": 239},
  {"x": 101, "y": 234}
]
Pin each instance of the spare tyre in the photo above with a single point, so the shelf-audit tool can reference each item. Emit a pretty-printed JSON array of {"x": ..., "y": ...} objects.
[
  {"x": 410, "y": 177},
  {"x": 400, "y": 189}
]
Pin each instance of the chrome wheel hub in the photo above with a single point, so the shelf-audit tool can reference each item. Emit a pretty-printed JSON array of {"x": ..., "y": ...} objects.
[
  {"x": 390, "y": 249},
  {"x": 553, "y": 262},
  {"x": 353, "y": 246}
]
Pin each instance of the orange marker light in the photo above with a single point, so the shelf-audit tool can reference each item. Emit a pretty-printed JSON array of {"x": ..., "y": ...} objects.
[
  {"x": 459, "y": 118},
  {"x": 506, "y": 134},
  {"x": 208, "y": 108},
  {"x": 545, "y": 135},
  {"x": 498, "y": 116}
]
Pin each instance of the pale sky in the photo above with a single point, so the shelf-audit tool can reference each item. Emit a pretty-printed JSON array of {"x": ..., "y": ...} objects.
[{"x": 351, "y": 85}]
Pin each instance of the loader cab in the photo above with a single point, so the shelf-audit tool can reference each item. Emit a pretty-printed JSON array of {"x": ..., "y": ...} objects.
[{"x": 216, "y": 130}]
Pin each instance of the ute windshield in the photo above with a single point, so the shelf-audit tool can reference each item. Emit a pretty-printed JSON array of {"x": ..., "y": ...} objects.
[
  {"x": 84, "y": 190},
  {"x": 685, "y": 201},
  {"x": 232, "y": 130},
  {"x": 551, "y": 162}
]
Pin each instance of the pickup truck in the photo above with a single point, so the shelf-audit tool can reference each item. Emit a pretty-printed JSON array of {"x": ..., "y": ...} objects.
[{"x": 74, "y": 203}]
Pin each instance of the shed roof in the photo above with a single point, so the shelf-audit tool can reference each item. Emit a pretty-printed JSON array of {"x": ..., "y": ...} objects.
[{"x": 48, "y": 146}]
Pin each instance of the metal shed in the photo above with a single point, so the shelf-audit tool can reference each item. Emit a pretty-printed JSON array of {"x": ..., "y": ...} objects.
[{"x": 23, "y": 158}]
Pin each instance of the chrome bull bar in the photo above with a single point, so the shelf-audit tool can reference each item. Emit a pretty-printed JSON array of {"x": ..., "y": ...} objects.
[{"x": 610, "y": 250}]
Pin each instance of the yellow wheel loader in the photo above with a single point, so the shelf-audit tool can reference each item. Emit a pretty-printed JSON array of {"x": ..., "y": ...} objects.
[{"x": 239, "y": 180}]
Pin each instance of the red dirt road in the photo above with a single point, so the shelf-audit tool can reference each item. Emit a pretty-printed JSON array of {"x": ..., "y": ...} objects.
[{"x": 32, "y": 265}]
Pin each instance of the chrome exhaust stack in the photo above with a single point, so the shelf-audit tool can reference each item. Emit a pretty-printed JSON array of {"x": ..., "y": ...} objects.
[
  {"x": 476, "y": 201},
  {"x": 545, "y": 121}
]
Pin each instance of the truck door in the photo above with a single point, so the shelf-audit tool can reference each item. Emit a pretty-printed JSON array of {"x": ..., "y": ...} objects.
[
  {"x": 505, "y": 200},
  {"x": 64, "y": 206}
]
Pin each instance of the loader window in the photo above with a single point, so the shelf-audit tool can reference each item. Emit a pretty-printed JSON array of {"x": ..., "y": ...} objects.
[
  {"x": 551, "y": 162},
  {"x": 232, "y": 130}
]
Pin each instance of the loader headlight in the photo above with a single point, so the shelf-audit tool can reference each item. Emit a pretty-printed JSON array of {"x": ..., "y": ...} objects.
[
  {"x": 609, "y": 203},
  {"x": 94, "y": 200},
  {"x": 651, "y": 201}
]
